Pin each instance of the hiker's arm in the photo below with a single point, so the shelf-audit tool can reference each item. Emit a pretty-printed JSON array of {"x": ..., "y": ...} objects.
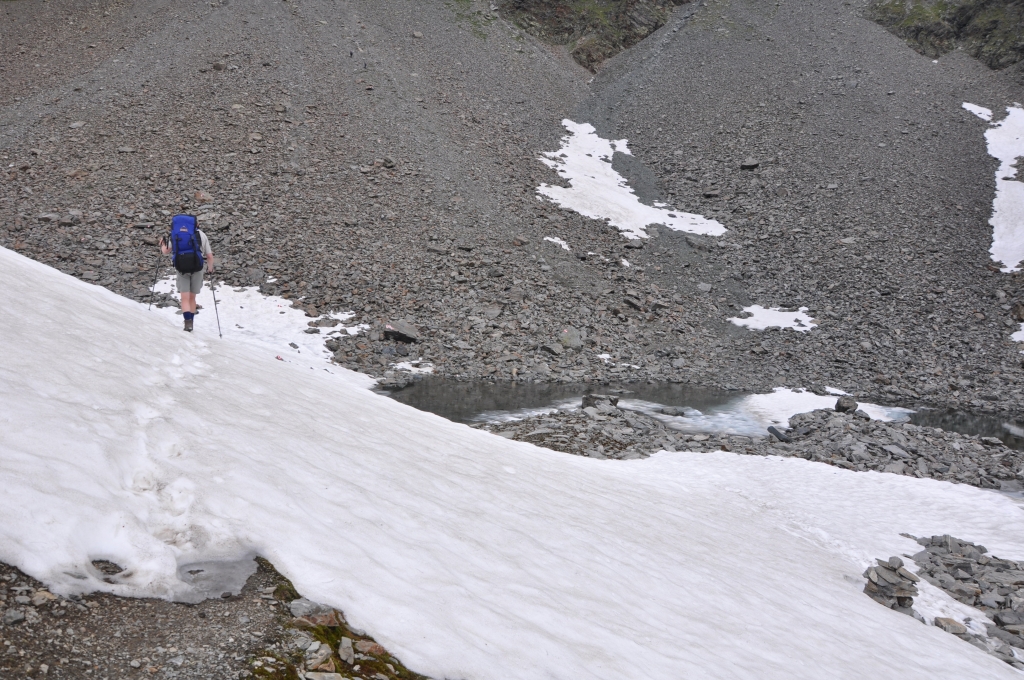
[
  {"x": 209, "y": 262},
  {"x": 164, "y": 248}
]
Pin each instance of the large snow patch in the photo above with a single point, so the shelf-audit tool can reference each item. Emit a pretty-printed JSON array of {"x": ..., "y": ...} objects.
[
  {"x": 1006, "y": 144},
  {"x": 468, "y": 555},
  {"x": 598, "y": 192}
]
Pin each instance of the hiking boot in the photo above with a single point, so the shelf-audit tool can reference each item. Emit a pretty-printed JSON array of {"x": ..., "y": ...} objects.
[{"x": 188, "y": 325}]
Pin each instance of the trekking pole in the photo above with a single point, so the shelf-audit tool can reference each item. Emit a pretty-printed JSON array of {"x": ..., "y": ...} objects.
[
  {"x": 213, "y": 289},
  {"x": 156, "y": 277}
]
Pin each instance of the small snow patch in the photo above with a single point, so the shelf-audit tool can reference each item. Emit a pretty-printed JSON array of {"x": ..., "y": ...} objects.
[
  {"x": 598, "y": 192},
  {"x": 416, "y": 367},
  {"x": 557, "y": 241},
  {"x": 761, "y": 318},
  {"x": 979, "y": 111}
]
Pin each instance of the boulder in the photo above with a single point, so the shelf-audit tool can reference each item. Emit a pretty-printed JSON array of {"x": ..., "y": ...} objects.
[
  {"x": 570, "y": 338},
  {"x": 846, "y": 404},
  {"x": 304, "y": 607},
  {"x": 402, "y": 331},
  {"x": 592, "y": 400}
]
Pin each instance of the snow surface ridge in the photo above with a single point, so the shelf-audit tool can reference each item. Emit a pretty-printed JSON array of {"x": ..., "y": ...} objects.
[
  {"x": 1006, "y": 144},
  {"x": 467, "y": 554},
  {"x": 598, "y": 192}
]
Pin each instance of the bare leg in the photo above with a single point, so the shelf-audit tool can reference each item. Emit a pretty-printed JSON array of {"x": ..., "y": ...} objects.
[{"x": 188, "y": 302}]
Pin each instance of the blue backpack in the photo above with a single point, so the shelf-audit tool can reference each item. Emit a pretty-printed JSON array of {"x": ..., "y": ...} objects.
[{"x": 186, "y": 244}]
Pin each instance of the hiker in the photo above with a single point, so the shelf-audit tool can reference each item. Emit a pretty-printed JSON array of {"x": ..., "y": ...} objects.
[{"x": 190, "y": 247}]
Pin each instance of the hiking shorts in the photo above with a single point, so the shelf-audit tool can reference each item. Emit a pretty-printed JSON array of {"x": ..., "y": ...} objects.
[{"x": 190, "y": 283}]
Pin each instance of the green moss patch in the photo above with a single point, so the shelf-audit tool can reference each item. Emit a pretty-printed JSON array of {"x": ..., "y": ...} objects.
[
  {"x": 593, "y": 30},
  {"x": 990, "y": 30}
]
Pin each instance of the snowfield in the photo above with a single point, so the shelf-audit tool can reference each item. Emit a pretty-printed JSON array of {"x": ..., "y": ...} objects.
[{"x": 466, "y": 554}]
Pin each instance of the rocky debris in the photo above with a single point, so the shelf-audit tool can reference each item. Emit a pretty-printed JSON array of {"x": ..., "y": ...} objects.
[
  {"x": 321, "y": 644},
  {"x": 267, "y": 631},
  {"x": 970, "y": 575},
  {"x": 891, "y": 585},
  {"x": 990, "y": 30},
  {"x": 855, "y": 442},
  {"x": 600, "y": 429},
  {"x": 849, "y": 440},
  {"x": 99, "y": 635}
]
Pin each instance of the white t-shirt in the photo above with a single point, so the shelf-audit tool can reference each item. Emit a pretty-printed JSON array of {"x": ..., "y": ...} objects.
[{"x": 204, "y": 243}]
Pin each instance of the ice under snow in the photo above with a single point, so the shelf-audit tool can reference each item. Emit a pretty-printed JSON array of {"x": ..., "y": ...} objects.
[
  {"x": 599, "y": 192},
  {"x": 1005, "y": 140},
  {"x": 761, "y": 318},
  {"x": 467, "y": 555}
]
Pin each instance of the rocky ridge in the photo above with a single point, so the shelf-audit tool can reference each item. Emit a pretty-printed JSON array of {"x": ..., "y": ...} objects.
[
  {"x": 968, "y": 574},
  {"x": 847, "y": 439},
  {"x": 992, "y": 32}
]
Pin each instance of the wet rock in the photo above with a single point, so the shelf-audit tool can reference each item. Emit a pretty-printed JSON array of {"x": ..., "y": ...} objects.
[
  {"x": 846, "y": 404},
  {"x": 594, "y": 400}
]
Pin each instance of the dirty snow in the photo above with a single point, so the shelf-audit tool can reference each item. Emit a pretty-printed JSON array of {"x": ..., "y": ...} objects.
[
  {"x": 1005, "y": 140},
  {"x": 465, "y": 554},
  {"x": 599, "y": 192},
  {"x": 761, "y": 318}
]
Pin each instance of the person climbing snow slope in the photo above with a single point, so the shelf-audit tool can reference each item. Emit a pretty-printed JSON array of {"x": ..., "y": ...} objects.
[{"x": 191, "y": 251}]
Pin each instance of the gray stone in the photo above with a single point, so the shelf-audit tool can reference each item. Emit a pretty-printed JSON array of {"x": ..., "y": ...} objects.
[
  {"x": 950, "y": 625},
  {"x": 570, "y": 338},
  {"x": 304, "y": 607},
  {"x": 750, "y": 164},
  {"x": 896, "y": 451},
  {"x": 704, "y": 287},
  {"x": 12, "y": 616},
  {"x": 552, "y": 348},
  {"x": 346, "y": 652}
]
